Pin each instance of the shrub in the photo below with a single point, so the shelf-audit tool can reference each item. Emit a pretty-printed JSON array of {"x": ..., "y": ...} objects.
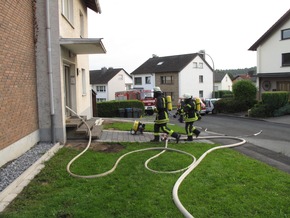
[
  {"x": 228, "y": 95},
  {"x": 282, "y": 111},
  {"x": 275, "y": 100},
  {"x": 230, "y": 105},
  {"x": 259, "y": 110},
  {"x": 245, "y": 91}
]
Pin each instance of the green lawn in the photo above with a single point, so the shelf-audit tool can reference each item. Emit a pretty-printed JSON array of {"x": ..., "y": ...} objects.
[
  {"x": 225, "y": 184},
  {"x": 149, "y": 127}
]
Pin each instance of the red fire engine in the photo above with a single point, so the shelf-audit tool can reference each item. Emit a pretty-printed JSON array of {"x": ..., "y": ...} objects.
[{"x": 146, "y": 96}]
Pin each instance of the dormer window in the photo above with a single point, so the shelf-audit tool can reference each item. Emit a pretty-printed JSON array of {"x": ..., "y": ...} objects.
[{"x": 285, "y": 34}]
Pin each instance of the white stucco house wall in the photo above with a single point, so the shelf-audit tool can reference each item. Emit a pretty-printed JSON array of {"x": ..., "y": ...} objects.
[
  {"x": 176, "y": 75},
  {"x": 223, "y": 82},
  {"x": 106, "y": 82},
  {"x": 62, "y": 50},
  {"x": 196, "y": 78},
  {"x": 273, "y": 57},
  {"x": 144, "y": 81}
]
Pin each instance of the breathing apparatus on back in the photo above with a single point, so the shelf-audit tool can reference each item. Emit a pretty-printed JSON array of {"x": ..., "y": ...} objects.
[
  {"x": 157, "y": 92},
  {"x": 198, "y": 104}
]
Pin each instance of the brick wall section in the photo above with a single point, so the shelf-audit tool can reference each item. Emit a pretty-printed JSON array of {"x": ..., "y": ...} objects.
[
  {"x": 18, "y": 99},
  {"x": 169, "y": 87}
]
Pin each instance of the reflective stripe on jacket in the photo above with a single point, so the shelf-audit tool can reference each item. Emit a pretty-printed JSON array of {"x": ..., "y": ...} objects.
[
  {"x": 162, "y": 114},
  {"x": 189, "y": 111}
]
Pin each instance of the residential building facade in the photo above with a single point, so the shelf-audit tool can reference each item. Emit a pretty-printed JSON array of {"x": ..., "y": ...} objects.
[
  {"x": 45, "y": 64},
  {"x": 176, "y": 75},
  {"x": 273, "y": 57},
  {"x": 106, "y": 82},
  {"x": 223, "y": 82}
]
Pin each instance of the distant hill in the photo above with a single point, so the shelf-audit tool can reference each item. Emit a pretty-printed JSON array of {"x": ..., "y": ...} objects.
[{"x": 234, "y": 72}]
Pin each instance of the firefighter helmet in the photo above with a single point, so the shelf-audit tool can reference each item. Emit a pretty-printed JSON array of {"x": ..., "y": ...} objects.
[
  {"x": 186, "y": 96},
  {"x": 157, "y": 89}
]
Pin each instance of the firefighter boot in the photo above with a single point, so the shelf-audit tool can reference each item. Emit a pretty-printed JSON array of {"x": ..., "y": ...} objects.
[
  {"x": 176, "y": 136},
  {"x": 156, "y": 139},
  {"x": 189, "y": 138},
  {"x": 196, "y": 132}
]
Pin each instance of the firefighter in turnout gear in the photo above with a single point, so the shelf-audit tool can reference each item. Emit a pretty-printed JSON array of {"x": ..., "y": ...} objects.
[
  {"x": 190, "y": 115},
  {"x": 162, "y": 118}
]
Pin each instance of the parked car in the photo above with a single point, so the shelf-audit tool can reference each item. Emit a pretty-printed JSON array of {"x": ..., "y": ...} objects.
[{"x": 209, "y": 104}]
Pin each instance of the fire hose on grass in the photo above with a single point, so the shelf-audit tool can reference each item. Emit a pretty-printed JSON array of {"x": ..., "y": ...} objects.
[{"x": 187, "y": 170}]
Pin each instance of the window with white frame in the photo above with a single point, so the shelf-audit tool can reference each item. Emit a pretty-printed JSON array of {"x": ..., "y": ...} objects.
[
  {"x": 286, "y": 59},
  {"x": 200, "y": 65},
  {"x": 101, "y": 99},
  {"x": 148, "y": 79},
  {"x": 200, "y": 79},
  {"x": 138, "y": 81},
  {"x": 101, "y": 88},
  {"x": 67, "y": 10},
  {"x": 84, "y": 84},
  {"x": 201, "y": 93},
  {"x": 285, "y": 34},
  {"x": 166, "y": 79},
  {"x": 194, "y": 64},
  {"x": 82, "y": 25}
]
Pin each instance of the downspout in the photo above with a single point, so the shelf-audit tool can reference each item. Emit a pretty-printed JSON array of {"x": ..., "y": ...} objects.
[{"x": 50, "y": 78}]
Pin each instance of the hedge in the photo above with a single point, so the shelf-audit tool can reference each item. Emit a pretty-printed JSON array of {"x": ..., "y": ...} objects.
[
  {"x": 111, "y": 108},
  {"x": 231, "y": 105},
  {"x": 223, "y": 94},
  {"x": 275, "y": 100},
  {"x": 272, "y": 104}
]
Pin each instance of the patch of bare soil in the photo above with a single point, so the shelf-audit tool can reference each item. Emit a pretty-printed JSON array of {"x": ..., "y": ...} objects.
[
  {"x": 96, "y": 146},
  {"x": 108, "y": 121}
]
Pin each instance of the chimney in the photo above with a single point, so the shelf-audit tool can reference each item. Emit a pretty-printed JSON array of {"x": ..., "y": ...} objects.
[{"x": 104, "y": 69}]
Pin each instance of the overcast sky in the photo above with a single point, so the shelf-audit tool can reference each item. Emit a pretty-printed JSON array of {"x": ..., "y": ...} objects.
[{"x": 133, "y": 30}]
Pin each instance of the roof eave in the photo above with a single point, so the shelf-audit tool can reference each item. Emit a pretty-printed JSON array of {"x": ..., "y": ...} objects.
[
  {"x": 93, "y": 5},
  {"x": 270, "y": 31}
]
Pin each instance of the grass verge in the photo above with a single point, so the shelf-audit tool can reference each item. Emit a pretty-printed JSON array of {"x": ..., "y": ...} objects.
[
  {"x": 149, "y": 127},
  {"x": 225, "y": 184}
]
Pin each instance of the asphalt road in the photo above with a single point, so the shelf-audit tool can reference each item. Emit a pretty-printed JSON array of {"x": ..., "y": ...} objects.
[{"x": 272, "y": 146}]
